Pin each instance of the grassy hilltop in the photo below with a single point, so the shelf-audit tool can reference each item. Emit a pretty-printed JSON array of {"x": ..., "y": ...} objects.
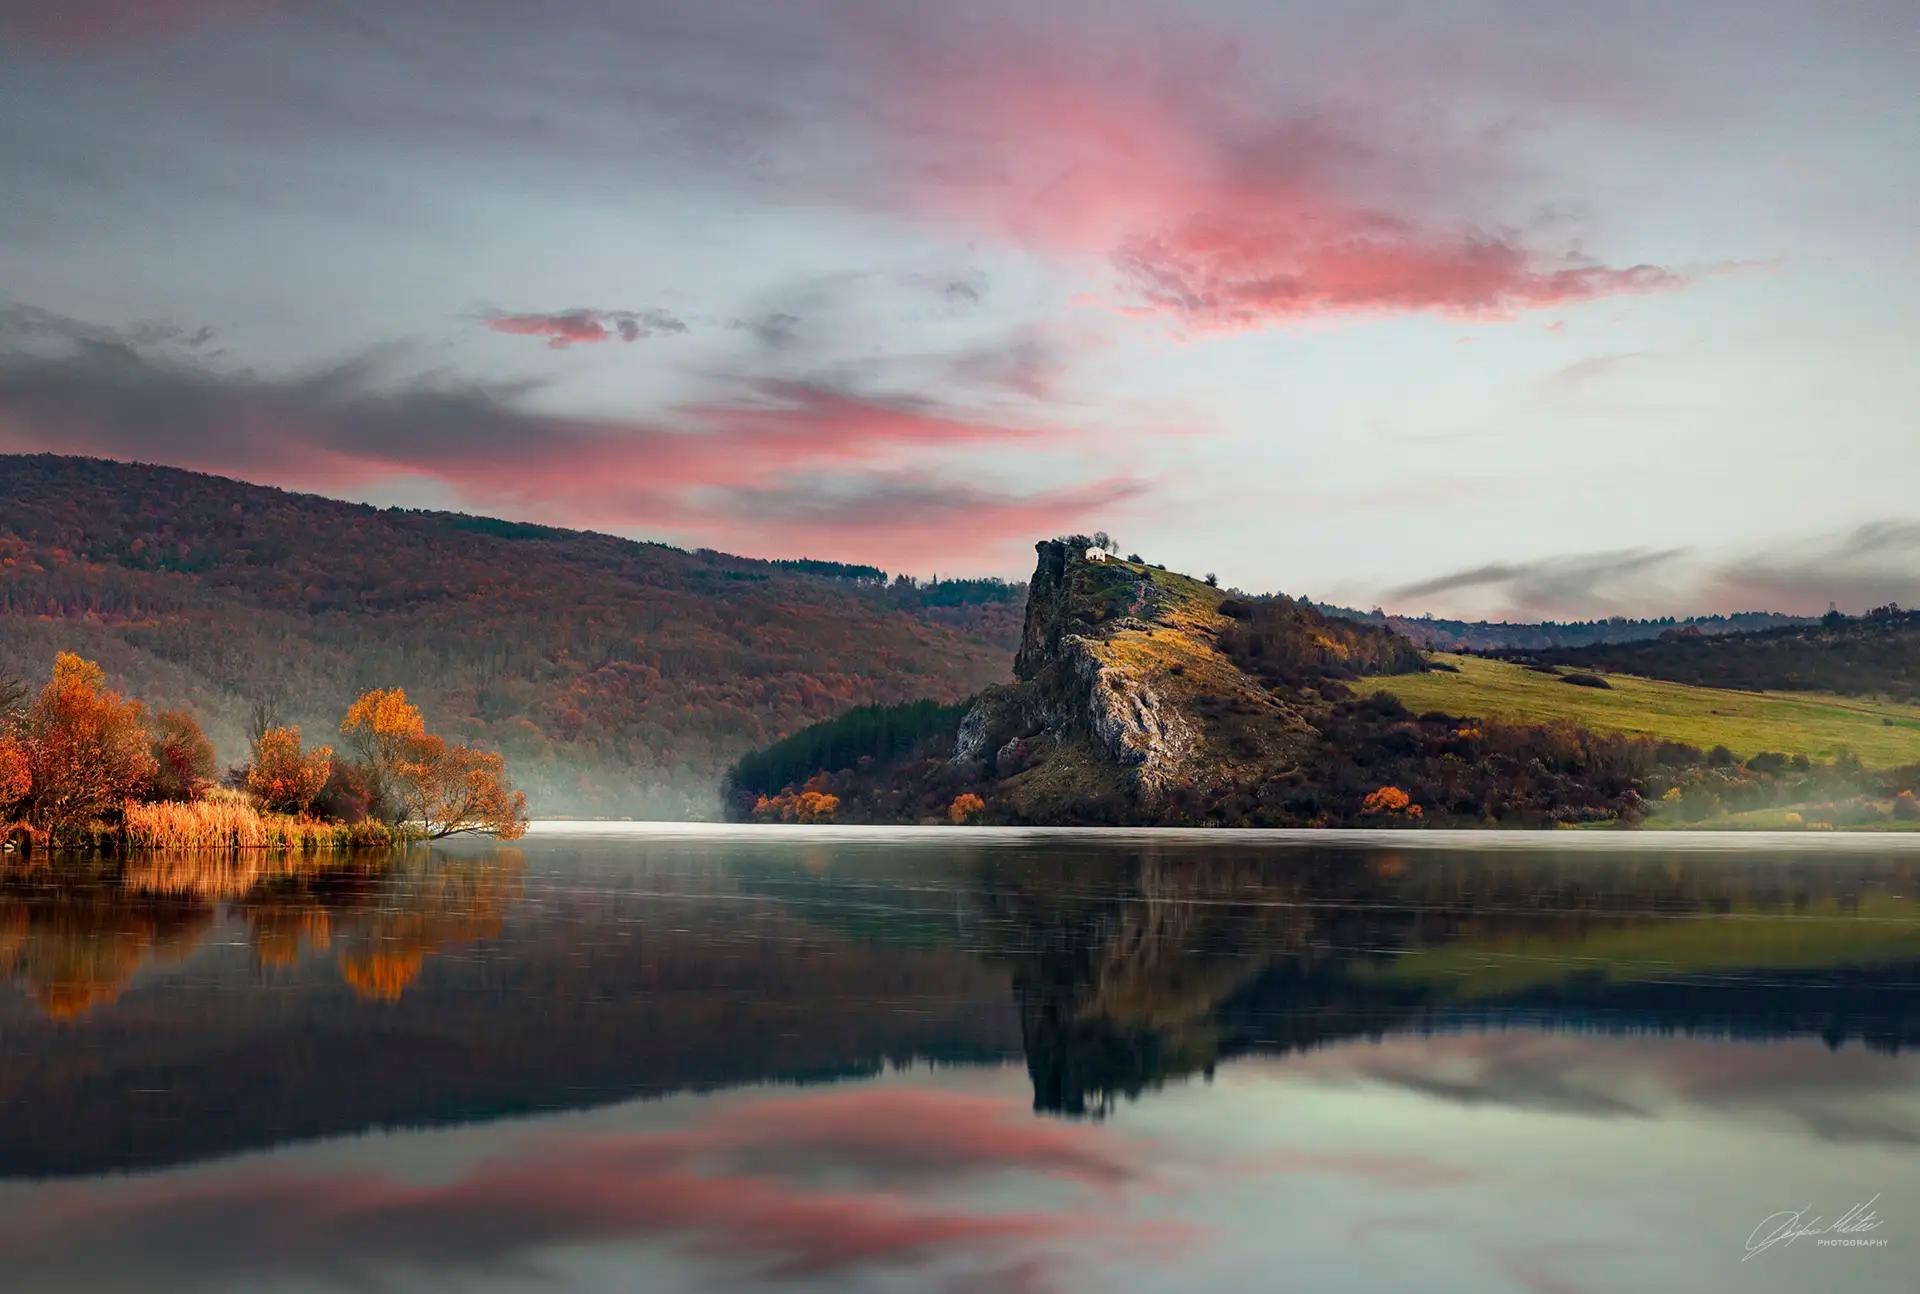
[{"x": 1822, "y": 726}]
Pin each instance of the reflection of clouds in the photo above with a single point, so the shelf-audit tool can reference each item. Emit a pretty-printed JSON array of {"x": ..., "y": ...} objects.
[
  {"x": 910, "y": 1134},
  {"x": 1852, "y": 1094},
  {"x": 1393, "y": 1172},
  {"x": 1542, "y": 1269},
  {"x": 762, "y": 1186}
]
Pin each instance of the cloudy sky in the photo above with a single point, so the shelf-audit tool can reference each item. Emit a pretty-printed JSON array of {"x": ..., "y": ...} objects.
[{"x": 1471, "y": 308}]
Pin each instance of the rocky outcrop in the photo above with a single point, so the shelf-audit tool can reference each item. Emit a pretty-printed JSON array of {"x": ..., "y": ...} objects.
[
  {"x": 1048, "y": 612},
  {"x": 1127, "y": 719},
  {"x": 1070, "y": 687}
]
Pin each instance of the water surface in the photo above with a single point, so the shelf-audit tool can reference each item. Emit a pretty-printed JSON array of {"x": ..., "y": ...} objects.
[{"x": 618, "y": 1059}]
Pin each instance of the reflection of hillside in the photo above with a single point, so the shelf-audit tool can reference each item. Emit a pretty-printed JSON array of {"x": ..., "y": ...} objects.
[
  {"x": 1136, "y": 969},
  {"x": 651, "y": 978}
]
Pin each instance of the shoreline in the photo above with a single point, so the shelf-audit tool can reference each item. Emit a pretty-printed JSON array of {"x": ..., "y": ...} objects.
[{"x": 1352, "y": 837}]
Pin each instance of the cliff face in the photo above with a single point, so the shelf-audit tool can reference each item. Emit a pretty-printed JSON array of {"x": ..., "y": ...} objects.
[
  {"x": 1115, "y": 661},
  {"x": 1046, "y": 610}
]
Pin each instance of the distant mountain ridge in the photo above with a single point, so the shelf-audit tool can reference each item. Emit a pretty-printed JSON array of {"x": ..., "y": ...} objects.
[
  {"x": 617, "y": 677},
  {"x": 1439, "y": 634}
]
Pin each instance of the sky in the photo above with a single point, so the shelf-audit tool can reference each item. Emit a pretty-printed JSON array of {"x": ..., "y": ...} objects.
[{"x": 1479, "y": 309}]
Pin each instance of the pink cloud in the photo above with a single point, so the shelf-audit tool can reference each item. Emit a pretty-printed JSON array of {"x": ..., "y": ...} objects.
[
  {"x": 1215, "y": 207},
  {"x": 564, "y": 328},
  {"x": 770, "y": 466}
]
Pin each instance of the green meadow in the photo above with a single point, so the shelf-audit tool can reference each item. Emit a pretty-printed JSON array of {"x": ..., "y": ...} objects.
[
  {"x": 1879, "y": 930},
  {"x": 1815, "y": 724}
]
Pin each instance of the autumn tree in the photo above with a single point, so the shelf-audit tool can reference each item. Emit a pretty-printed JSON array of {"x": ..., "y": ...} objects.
[
  {"x": 966, "y": 806},
  {"x": 16, "y": 776},
  {"x": 86, "y": 747},
  {"x": 183, "y": 757},
  {"x": 263, "y": 714},
  {"x": 283, "y": 776},
  {"x": 810, "y": 806},
  {"x": 381, "y": 729},
  {"x": 455, "y": 790},
  {"x": 416, "y": 777}
]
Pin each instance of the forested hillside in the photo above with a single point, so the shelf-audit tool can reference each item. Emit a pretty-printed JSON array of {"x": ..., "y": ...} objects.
[{"x": 617, "y": 677}]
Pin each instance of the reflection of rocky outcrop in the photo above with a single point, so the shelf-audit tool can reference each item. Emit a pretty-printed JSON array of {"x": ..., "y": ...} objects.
[
  {"x": 1120, "y": 987},
  {"x": 1155, "y": 967}
]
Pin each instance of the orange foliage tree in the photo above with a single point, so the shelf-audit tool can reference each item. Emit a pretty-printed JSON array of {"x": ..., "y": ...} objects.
[
  {"x": 452, "y": 790},
  {"x": 965, "y": 807},
  {"x": 87, "y": 748},
  {"x": 285, "y": 777},
  {"x": 16, "y": 775},
  {"x": 797, "y": 806},
  {"x": 381, "y": 728},
  {"x": 417, "y": 778}
]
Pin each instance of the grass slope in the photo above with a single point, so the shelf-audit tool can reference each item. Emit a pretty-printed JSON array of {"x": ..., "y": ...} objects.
[
  {"x": 1878, "y": 931},
  {"x": 1817, "y": 725}
]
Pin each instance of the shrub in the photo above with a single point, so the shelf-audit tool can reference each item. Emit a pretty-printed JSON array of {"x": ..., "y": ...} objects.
[
  {"x": 1389, "y": 801},
  {"x": 965, "y": 807},
  {"x": 797, "y": 806},
  {"x": 1585, "y": 680},
  {"x": 283, "y": 776},
  {"x": 225, "y": 824}
]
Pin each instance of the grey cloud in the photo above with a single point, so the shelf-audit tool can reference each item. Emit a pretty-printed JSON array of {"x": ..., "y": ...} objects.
[
  {"x": 24, "y": 326},
  {"x": 744, "y": 465},
  {"x": 1549, "y": 586},
  {"x": 1866, "y": 567},
  {"x": 1027, "y": 362}
]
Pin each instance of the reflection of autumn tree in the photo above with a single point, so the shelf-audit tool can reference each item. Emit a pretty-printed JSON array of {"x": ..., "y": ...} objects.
[
  {"x": 456, "y": 904},
  {"x": 281, "y": 932},
  {"x": 77, "y": 950},
  {"x": 74, "y": 938}
]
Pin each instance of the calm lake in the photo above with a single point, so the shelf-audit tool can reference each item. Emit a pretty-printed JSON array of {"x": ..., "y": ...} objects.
[{"x": 924, "y": 1060}]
